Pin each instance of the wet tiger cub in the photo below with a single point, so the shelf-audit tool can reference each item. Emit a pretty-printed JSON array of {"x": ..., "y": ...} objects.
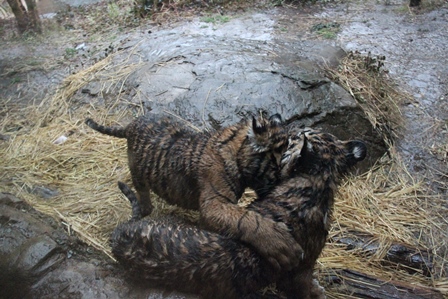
[
  {"x": 209, "y": 172},
  {"x": 191, "y": 259}
]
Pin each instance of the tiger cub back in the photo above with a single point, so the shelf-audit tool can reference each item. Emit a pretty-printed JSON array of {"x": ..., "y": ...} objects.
[
  {"x": 170, "y": 158},
  {"x": 163, "y": 157}
]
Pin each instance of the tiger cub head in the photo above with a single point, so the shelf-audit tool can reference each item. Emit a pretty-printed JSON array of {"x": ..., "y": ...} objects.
[
  {"x": 321, "y": 155},
  {"x": 269, "y": 135}
]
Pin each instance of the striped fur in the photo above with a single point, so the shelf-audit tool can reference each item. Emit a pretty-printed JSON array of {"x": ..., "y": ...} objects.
[
  {"x": 209, "y": 172},
  {"x": 191, "y": 259}
]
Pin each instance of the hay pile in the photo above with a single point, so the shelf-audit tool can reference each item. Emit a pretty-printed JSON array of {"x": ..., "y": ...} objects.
[{"x": 84, "y": 169}]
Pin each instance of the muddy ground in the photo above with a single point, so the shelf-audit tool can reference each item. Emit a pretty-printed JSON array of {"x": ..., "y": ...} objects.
[{"x": 414, "y": 42}]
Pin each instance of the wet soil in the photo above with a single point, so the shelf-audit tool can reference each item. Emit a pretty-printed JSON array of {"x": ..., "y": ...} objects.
[{"x": 40, "y": 260}]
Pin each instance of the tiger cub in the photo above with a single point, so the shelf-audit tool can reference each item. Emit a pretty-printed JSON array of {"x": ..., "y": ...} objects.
[
  {"x": 190, "y": 259},
  {"x": 209, "y": 171}
]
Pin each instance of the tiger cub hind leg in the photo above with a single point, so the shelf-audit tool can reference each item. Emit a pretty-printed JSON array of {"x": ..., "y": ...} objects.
[{"x": 143, "y": 191}]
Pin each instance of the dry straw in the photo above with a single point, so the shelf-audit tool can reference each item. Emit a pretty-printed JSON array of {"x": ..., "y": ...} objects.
[
  {"x": 386, "y": 202},
  {"x": 363, "y": 77}
]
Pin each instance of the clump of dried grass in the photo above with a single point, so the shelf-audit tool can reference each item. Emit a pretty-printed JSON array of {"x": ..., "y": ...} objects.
[
  {"x": 83, "y": 170},
  {"x": 390, "y": 205},
  {"x": 365, "y": 79},
  {"x": 386, "y": 202},
  {"x": 109, "y": 73}
]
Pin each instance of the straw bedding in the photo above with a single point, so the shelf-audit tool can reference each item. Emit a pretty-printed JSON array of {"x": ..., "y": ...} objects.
[{"x": 82, "y": 173}]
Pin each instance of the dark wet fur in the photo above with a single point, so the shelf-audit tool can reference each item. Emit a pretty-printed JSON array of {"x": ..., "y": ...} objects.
[
  {"x": 209, "y": 172},
  {"x": 163, "y": 156},
  {"x": 191, "y": 259},
  {"x": 167, "y": 157},
  {"x": 145, "y": 247}
]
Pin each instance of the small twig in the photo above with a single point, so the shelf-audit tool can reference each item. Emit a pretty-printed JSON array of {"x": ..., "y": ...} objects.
[
  {"x": 186, "y": 121},
  {"x": 161, "y": 93},
  {"x": 181, "y": 87},
  {"x": 203, "y": 108}
]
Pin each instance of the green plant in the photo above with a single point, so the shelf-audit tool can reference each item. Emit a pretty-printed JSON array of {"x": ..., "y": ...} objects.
[
  {"x": 113, "y": 10},
  {"x": 15, "y": 80},
  {"x": 327, "y": 30},
  {"x": 70, "y": 52},
  {"x": 327, "y": 34},
  {"x": 208, "y": 19},
  {"x": 215, "y": 19},
  {"x": 223, "y": 19}
]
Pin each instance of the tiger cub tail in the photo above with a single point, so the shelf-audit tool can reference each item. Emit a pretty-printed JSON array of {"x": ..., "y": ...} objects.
[
  {"x": 118, "y": 132},
  {"x": 130, "y": 195}
]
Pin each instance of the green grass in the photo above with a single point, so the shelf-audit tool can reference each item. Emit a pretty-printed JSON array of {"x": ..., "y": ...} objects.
[
  {"x": 215, "y": 19},
  {"x": 15, "y": 80},
  {"x": 113, "y": 10},
  {"x": 327, "y": 30},
  {"x": 70, "y": 52},
  {"x": 327, "y": 33}
]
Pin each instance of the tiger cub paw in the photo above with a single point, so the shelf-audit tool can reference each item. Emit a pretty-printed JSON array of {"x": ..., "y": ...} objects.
[
  {"x": 273, "y": 241},
  {"x": 317, "y": 291}
]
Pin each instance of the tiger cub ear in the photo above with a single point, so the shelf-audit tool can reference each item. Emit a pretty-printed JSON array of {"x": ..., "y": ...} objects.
[
  {"x": 260, "y": 125},
  {"x": 276, "y": 119},
  {"x": 357, "y": 151}
]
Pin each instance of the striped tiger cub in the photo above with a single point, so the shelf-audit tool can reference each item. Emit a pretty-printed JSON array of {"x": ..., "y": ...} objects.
[
  {"x": 190, "y": 259},
  {"x": 209, "y": 171}
]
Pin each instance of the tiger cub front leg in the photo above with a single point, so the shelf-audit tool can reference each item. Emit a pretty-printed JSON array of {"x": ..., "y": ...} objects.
[
  {"x": 140, "y": 181},
  {"x": 271, "y": 239},
  {"x": 144, "y": 199}
]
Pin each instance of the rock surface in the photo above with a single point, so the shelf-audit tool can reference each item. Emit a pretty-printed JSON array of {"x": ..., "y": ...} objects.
[
  {"x": 214, "y": 79},
  {"x": 39, "y": 260}
]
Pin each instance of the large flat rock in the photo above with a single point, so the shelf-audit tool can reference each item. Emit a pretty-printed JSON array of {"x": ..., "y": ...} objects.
[{"x": 213, "y": 78}]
